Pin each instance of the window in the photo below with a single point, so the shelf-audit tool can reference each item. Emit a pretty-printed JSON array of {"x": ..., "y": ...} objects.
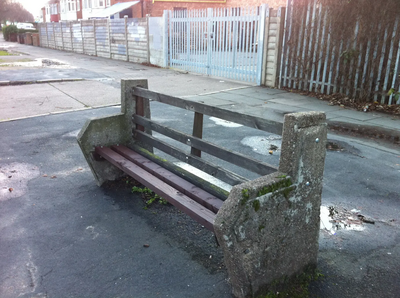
[
  {"x": 62, "y": 6},
  {"x": 98, "y": 3},
  {"x": 71, "y": 5},
  {"x": 78, "y": 5},
  {"x": 47, "y": 9},
  {"x": 53, "y": 9},
  {"x": 87, "y": 4},
  {"x": 107, "y": 2}
]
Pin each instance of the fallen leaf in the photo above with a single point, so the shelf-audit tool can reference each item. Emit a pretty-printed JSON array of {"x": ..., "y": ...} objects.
[
  {"x": 10, "y": 189},
  {"x": 80, "y": 169},
  {"x": 52, "y": 177},
  {"x": 146, "y": 245},
  {"x": 45, "y": 175}
]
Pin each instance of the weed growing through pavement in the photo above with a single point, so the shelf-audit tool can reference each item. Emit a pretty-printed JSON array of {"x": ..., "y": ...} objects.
[{"x": 149, "y": 196}]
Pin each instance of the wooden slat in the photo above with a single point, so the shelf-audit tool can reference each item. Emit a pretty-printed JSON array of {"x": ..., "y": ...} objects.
[
  {"x": 199, "y": 195},
  {"x": 229, "y": 156},
  {"x": 197, "y": 131},
  {"x": 179, "y": 171},
  {"x": 247, "y": 120},
  {"x": 203, "y": 165},
  {"x": 176, "y": 198}
]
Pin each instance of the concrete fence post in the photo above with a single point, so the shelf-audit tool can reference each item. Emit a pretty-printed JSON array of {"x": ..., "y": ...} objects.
[
  {"x": 54, "y": 36},
  {"x": 148, "y": 37},
  {"x": 268, "y": 228},
  {"x": 126, "y": 37},
  {"x": 83, "y": 37},
  {"x": 94, "y": 37},
  {"x": 62, "y": 35},
  {"x": 47, "y": 35},
  {"x": 109, "y": 36},
  {"x": 71, "y": 31},
  {"x": 265, "y": 46},
  {"x": 165, "y": 38}
]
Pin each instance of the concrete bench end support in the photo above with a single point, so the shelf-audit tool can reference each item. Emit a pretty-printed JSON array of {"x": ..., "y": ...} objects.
[
  {"x": 268, "y": 228},
  {"x": 110, "y": 130}
]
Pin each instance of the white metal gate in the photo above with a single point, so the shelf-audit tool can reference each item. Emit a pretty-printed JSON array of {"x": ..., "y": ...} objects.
[{"x": 225, "y": 42}]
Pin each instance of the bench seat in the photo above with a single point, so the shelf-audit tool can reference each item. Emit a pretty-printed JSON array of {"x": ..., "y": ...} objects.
[{"x": 190, "y": 199}]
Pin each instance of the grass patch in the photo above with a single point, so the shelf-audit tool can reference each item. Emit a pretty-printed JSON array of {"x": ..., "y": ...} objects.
[
  {"x": 15, "y": 61},
  {"x": 5, "y": 53}
]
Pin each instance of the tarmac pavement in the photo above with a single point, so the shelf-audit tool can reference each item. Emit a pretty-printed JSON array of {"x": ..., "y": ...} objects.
[{"x": 62, "y": 236}]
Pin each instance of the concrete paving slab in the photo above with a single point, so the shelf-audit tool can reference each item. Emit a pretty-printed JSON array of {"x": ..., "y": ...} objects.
[
  {"x": 393, "y": 122},
  {"x": 210, "y": 100},
  {"x": 270, "y": 91},
  {"x": 33, "y": 74},
  {"x": 252, "y": 94},
  {"x": 33, "y": 100},
  {"x": 284, "y": 108},
  {"x": 358, "y": 115},
  {"x": 289, "y": 95},
  {"x": 294, "y": 101},
  {"x": 321, "y": 106},
  {"x": 230, "y": 96},
  {"x": 91, "y": 93}
]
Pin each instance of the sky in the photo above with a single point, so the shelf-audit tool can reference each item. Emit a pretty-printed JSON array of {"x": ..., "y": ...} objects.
[{"x": 33, "y": 6}]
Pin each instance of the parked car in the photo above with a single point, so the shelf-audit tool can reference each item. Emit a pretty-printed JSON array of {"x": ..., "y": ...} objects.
[{"x": 26, "y": 26}]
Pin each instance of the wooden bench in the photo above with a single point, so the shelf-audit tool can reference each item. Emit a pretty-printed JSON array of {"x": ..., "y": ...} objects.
[
  {"x": 193, "y": 195},
  {"x": 262, "y": 224}
]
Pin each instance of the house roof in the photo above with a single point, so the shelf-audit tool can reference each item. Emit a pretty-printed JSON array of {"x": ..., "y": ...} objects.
[{"x": 116, "y": 8}]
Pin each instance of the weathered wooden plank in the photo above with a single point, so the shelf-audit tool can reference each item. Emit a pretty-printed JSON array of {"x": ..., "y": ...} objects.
[
  {"x": 176, "y": 198},
  {"x": 199, "y": 195},
  {"x": 197, "y": 131},
  {"x": 179, "y": 171},
  {"x": 211, "y": 169},
  {"x": 212, "y": 149},
  {"x": 247, "y": 120}
]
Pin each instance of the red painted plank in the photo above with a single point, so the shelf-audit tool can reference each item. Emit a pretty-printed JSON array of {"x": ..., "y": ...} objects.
[
  {"x": 199, "y": 195},
  {"x": 176, "y": 198}
]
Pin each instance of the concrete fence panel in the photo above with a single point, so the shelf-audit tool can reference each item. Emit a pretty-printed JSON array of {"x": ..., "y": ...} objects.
[{"x": 122, "y": 39}]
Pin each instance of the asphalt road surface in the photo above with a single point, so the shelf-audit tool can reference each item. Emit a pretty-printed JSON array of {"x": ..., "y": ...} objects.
[{"x": 62, "y": 236}]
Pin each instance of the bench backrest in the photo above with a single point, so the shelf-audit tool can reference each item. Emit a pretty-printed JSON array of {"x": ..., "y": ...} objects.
[{"x": 145, "y": 125}]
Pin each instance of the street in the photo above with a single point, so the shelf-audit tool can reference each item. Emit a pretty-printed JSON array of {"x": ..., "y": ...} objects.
[{"x": 62, "y": 236}]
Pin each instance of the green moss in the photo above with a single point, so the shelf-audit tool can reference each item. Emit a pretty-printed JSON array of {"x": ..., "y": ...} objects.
[
  {"x": 281, "y": 176},
  {"x": 245, "y": 195},
  {"x": 261, "y": 227},
  {"x": 275, "y": 186},
  {"x": 256, "y": 205},
  {"x": 286, "y": 192}
]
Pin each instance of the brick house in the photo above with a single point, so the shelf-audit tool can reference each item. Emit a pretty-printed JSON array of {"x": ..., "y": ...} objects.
[
  {"x": 64, "y": 10},
  {"x": 51, "y": 12},
  {"x": 155, "y": 8}
]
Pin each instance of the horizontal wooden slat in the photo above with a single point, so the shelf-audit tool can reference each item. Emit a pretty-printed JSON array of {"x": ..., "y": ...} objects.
[
  {"x": 199, "y": 195},
  {"x": 211, "y": 169},
  {"x": 247, "y": 120},
  {"x": 176, "y": 198},
  {"x": 229, "y": 156}
]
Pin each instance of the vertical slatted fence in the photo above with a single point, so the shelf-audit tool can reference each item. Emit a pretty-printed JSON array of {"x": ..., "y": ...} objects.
[{"x": 317, "y": 57}]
